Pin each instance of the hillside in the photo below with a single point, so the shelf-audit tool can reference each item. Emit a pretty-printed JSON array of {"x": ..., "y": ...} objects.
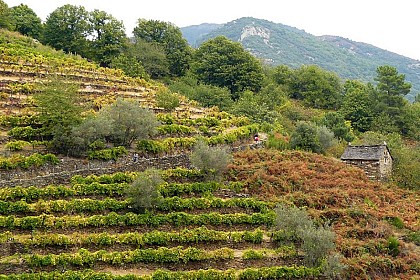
[
  {"x": 277, "y": 44},
  {"x": 70, "y": 218}
]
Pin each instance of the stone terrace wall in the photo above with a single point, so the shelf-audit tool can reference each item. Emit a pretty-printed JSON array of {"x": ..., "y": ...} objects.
[
  {"x": 61, "y": 173},
  {"x": 68, "y": 167}
]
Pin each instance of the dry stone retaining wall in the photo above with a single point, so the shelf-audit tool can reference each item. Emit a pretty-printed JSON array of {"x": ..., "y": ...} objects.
[{"x": 68, "y": 167}]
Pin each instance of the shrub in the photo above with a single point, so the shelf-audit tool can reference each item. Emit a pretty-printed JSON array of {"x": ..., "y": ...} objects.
[
  {"x": 278, "y": 141},
  {"x": 305, "y": 137},
  {"x": 143, "y": 192},
  {"x": 317, "y": 242},
  {"x": 393, "y": 246},
  {"x": 167, "y": 100},
  {"x": 292, "y": 219},
  {"x": 396, "y": 222},
  {"x": 16, "y": 145},
  {"x": 210, "y": 159},
  {"x": 108, "y": 154},
  {"x": 333, "y": 267}
]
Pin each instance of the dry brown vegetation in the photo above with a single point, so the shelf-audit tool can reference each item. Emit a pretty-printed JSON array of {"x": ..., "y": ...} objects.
[{"x": 359, "y": 209}]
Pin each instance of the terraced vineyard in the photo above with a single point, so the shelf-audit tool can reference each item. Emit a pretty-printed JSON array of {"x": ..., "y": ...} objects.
[
  {"x": 25, "y": 64},
  {"x": 84, "y": 227},
  {"x": 205, "y": 229}
]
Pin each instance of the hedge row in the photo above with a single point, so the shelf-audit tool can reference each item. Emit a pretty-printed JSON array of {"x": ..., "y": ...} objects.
[
  {"x": 19, "y": 161},
  {"x": 153, "y": 238},
  {"x": 262, "y": 273},
  {"x": 87, "y": 205},
  {"x": 30, "y": 194},
  {"x": 131, "y": 219}
]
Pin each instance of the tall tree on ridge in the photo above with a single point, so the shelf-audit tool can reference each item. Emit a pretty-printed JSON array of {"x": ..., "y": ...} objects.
[
  {"x": 26, "y": 21},
  {"x": 169, "y": 37},
  {"x": 66, "y": 28}
]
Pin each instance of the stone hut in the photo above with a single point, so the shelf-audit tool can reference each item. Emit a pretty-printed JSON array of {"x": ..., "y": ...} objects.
[{"x": 375, "y": 160}]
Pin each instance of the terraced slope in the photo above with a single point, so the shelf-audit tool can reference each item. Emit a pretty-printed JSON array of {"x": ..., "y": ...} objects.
[{"x": 89, "y": 225}]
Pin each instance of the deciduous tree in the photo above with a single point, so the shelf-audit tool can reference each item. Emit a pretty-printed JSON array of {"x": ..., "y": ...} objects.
[
  {"x": 225, "y": 63},
  {"x": 26, "y": 21},
  {"x": 5, "y": 20},
  {"x": 107, "y": 37},
  {"x": 317, "y": 87},
  {"x": 169, "y": 37},
  {"x": 66, "y": 28},
  {"x": 58, "y": 111},
  {"x": 357, "y": 105}
]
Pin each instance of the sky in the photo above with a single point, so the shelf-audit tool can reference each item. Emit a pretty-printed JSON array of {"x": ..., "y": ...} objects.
[{"x": 387, "y": 24}]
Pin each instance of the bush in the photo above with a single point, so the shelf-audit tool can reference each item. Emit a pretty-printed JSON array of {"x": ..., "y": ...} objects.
[
  {"x": 317, "y": 242},
  {"x": 143, "y": 192},
  {"x": 333, "y": 267},
  {"x": 393, "y": 246},
  {"x": 210, "y": 159},
  {"x": 16, "y": 145},
  {"x": 396, "y": 222},
  {"x": 108, "y": 154},
  {"x": 167, "y": 100},
  {"x": 292, "y": 219},
  {"x": 305, "y": 137}
]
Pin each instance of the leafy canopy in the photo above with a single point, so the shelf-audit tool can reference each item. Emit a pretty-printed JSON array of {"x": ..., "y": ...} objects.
[
  {"x": 225, "y": 63},
  {"x": 169, "y": 38},
  {"x": 26, "y": 21}
]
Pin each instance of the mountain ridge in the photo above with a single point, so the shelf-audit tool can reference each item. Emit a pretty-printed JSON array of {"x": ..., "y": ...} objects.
[{"x": 277, "y": 44}]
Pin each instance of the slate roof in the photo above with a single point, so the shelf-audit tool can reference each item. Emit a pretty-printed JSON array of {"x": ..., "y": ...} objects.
[{"x": 365, "y": 152}]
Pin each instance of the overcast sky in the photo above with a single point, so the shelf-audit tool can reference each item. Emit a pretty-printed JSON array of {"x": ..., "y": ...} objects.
[{"x": 389, "y": 24}]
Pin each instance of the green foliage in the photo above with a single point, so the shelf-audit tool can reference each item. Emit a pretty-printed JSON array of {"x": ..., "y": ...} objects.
[
  {"x": 278, "y": 141},
  {"x": 336, "y": 123},
  {"x": 58, "y": 110},
  {"x": 16, "y": 145},
  {"x": 208, "y": 158},
  {"x": 5, "y": 17},
  {"x": 34, "y": 160},
  {"x": 224, "y": 63},
  {"x": 357, "y": 105},
  {"x": 169, "y": 38},
  {"x": 317, "y": 242},
  {"x": 24, "y": 133},
  {"x": 143, "y": 59},
  {"x": 326, "y": 138},
  {"x": 305, "y": 137},
  {"x": 130, "y": 65},
  {"x": 167, "y": 100},
  {"x": 251, "y": 106},
  {"x": 333, "y": 267},
  {"x": 26, "y": 21},
  {"x": 414, "y": 237},
  {"x": 317, "y": 87},
  {"x": 108, "y": 36},
  {"x": 108, "y": 154},
  {"x": 393, "y": 246},
  {"x": 390, "y": 102},
  {"x": 396, "y": 222},
  {"x": 292, "y": 220},
  {"x": 143, "y": 192},
  {"x": 206, "y": 95},
  {"x": 66, "y": 27},
  {"x": 127, "y": 122}
]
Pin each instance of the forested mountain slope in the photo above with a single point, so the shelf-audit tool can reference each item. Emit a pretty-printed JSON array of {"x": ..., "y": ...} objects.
[{"x": 276, "y": 44}]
